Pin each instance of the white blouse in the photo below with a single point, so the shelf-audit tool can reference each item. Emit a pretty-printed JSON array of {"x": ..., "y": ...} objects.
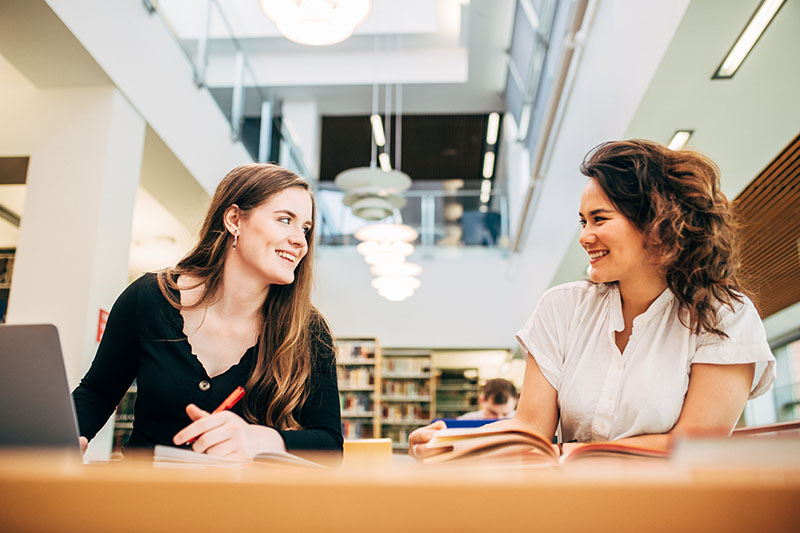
[{"x": 604, "y": 394}]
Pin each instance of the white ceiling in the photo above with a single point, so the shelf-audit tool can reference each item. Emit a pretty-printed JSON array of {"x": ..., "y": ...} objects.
[
  {"x": 450, "y": 55},
  {"x": 741, "y": 123}
]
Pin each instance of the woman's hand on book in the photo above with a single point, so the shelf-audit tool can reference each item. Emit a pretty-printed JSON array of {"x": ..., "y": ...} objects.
[
  {"x": 418, "y": 438},
  {"x": 226, "y": 434},
  {"x": 84, "y": 444}
]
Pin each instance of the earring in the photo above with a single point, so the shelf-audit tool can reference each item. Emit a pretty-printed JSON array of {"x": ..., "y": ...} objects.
[{"x": 235, "y": 239}]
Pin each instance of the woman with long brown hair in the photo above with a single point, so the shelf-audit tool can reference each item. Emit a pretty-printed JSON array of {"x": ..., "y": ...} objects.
[
  {"x": 662, "y": 340},
  {"x": 236, "y": 311}
]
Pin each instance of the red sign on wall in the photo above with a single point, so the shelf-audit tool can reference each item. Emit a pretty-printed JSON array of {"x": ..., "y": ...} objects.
[{"x": 101, "y": 323}]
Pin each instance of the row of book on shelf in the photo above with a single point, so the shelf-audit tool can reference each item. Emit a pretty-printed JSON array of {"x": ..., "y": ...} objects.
[{"x": 387, "y": 393}]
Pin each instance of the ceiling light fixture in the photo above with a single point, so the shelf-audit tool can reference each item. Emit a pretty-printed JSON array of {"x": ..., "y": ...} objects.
[
  {"x": 492, "y": 128},
  {"x": 679, "y": 139},
  {"x": 747, "y": 39},
  {"x": 385, "y": 247},
  {"x": 377, "y": 129},
  {"x": 316, "y": 22},
  {"x": 387, "y": 232},
  {"x": 391, "y": 282},
  {"x": 395, "y": 270},
  {"x": 382, "y": 248},
  {"x": 486, "y": 189},
  {"x": 386, "y": 164},
  {"x": 488, "y": 164},
  {"x": 371, "y": 193},
  {"x": 395, "y": 294}
]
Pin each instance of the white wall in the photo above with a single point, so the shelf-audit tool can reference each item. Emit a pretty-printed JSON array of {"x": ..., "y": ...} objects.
[{"x": 463, "y": 301}]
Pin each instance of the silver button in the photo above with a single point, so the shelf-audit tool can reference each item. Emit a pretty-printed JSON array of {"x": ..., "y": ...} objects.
[{"x": 204, "y": 385}]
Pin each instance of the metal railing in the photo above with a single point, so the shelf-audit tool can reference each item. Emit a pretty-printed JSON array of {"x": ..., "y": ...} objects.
[
  {"x": 442, "y": 218},
  {"x": 787, "y": 402},
  {"x": 271, "y": 140}
]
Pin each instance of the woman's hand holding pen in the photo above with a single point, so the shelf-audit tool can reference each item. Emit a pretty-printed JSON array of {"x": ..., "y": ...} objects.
[{"x": 226, "y": 434}]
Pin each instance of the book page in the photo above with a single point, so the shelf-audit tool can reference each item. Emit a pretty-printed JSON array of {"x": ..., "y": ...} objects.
[
  {"x": 574, "y": 451},
  {"x": 170, "y": 454},
  {"x": 469, "y": 443}
]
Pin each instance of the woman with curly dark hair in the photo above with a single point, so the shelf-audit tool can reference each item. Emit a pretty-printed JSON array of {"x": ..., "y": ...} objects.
[{"x": 662, "y": 340}]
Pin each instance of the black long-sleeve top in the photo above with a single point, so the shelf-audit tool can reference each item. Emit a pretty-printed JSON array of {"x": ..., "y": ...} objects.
[{"x": 144, "y": 339}]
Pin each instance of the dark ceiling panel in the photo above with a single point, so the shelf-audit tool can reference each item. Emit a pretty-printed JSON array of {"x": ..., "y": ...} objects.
[
  {"x": 435, "y": 147},
  {"x": 13, "y": 170}
]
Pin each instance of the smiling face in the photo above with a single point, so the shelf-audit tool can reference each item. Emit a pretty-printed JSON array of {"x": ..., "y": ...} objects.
[
  {"x": 272, "y": 236},
  {"x": 615, "y": 247}
]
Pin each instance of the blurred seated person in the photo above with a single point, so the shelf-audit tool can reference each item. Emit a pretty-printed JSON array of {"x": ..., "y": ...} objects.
[{"x": 497, "y": 400}]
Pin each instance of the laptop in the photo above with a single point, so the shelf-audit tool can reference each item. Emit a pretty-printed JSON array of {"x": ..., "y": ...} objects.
[{"x": 36, "y": 408}]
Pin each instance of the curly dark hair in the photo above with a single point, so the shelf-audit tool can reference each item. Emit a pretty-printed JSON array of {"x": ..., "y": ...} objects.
[{"x": 673, "y": 197}]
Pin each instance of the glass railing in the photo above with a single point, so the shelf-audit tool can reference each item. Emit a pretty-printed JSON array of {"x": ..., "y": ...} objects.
[
  {"x": 221, "y": 65},
  {"x": 787, "y": 402},
  {"x": 442, "y": 218}
]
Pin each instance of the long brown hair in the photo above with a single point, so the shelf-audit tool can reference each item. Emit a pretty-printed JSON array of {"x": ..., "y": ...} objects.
[
  {"x": 673, "y": 197},
  {"x": 277, "y": 386}
]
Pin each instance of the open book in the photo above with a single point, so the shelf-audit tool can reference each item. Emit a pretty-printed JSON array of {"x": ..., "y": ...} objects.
[
  {"x": 519, "y": 445},
  {"x": 172, "y": 456}
]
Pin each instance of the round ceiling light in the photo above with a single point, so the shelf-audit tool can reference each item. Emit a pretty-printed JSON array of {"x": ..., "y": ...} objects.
[
  {"x": 396, "y": 269},
  {"x": 387, "y": 232},
  {"x": 391, "y": 283},
  {"x": 316, "y": 22},
  {"x": 370, "y": 248},
  {"x": 373, "y": 194}
]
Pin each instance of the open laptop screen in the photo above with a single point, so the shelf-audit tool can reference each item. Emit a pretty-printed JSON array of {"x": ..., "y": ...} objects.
[{"x": 35, "y": 402}]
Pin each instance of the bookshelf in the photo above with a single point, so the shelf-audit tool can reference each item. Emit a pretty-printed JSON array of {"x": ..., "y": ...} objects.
[
  {"x": 408, "y": 398},
  {"x": 123, "y": 421},
  {"x": 358, "y": 363},
  {"x": 457, "y": 391}
]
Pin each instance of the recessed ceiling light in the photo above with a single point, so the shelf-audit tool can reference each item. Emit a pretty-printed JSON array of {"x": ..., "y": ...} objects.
[
  {"x": 679, "y": 139},
  {"x": 486, "y": 190},
  {"x": 492, "y": 128},
  {"x": 488, "y": 164},
  {"x": 747, "y": 39}
]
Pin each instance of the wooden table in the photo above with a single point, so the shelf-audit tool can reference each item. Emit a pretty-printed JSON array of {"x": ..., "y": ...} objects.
[{"x": 47, "y": 492}]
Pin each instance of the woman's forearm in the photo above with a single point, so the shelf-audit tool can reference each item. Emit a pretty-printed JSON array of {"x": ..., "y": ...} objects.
[{"x": 659, "y": 441}]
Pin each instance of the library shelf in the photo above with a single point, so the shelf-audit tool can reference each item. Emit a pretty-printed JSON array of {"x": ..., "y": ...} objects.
[
  {"x": 416, "y": 423},
  {"x": 408, "y": 394},
  {"x": 358, "y": 364},
  {"x": 423, "y": 399}
]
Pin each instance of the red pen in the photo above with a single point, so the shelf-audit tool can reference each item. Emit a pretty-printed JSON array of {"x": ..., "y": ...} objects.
[{"x": 230, "y": 401}]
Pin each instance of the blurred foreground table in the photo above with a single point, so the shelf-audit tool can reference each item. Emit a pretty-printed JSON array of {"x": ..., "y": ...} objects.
[{"x": 45, "y": 491}]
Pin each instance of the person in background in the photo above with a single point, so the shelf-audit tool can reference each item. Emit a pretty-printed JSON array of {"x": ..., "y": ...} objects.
[
  {"x": 235, "y": 311},
  {"x": 661, "y": 341},
  {"x": 497, "y": 400}
]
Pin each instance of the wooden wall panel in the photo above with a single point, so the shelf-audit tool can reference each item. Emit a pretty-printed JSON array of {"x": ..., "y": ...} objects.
[{"x": 769, "y": 211}]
